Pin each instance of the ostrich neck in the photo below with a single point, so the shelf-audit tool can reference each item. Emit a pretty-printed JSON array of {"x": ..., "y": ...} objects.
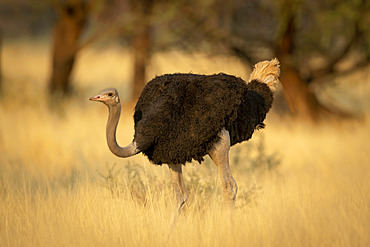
[{"x": 113, "y": 118}]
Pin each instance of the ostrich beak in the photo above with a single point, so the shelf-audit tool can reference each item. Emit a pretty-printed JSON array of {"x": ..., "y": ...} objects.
[{"x": 96, "y": 98}]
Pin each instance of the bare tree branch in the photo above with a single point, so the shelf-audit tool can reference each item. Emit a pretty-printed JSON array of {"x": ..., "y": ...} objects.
[
  {"x": 338, "y": 57},
  {"x": 102, "y": 33},
  {"x": 335, "y": 59},
  {"x": 358, "y": 66}
]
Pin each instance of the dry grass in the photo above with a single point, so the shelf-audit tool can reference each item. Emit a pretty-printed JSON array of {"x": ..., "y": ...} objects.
[{"x": 300, "y": 185}]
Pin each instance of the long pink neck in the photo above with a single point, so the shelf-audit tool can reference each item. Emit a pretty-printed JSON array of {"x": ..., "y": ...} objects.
[{"x": 113, "y": 119}]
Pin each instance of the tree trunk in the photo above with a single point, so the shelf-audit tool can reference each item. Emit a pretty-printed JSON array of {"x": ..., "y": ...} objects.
[
  {"x": 301, "y": 100},
  {"x": 141, "y": 45},
  {"x": 67, "y": 31},
  {"x": 1, "y": 65}
]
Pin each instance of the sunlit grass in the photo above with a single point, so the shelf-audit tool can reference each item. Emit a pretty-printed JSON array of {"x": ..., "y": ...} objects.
[{"x": 60, "y": 185}]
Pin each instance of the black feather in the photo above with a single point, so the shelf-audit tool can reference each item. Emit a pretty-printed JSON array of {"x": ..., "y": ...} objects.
[{"x": 178, "y": 117}]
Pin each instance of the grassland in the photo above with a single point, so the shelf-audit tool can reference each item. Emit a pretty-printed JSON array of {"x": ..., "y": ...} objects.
[{"x": 299, "y": 184}]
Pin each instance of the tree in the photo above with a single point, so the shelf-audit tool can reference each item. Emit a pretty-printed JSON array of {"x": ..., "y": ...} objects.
[
  {"x": 301, "y": 99},
  {"x": 144, "y": 29},
  {"x": 141, "y": 42},
  {"x": 1, "y": 74},
  {"x": 72, "y": 17},
  {"x": 130, "y": 19},
  {"x": 296, "y": 31}
]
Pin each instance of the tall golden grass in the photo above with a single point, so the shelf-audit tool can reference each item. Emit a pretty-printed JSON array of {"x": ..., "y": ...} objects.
[{"x": 299, "y": 184}]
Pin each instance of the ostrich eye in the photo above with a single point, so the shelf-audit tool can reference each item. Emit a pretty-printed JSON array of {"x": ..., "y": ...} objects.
[{"x": 110, "y": 94}]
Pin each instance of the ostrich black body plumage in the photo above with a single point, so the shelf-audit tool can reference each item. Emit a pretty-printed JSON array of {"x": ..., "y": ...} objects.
[{"x": 178, "y": 117}]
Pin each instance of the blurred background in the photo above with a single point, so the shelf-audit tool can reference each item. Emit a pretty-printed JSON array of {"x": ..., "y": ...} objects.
[
  {"x": 55, "y": 54},
  {"x": 69, "y": 47},
  {"x": 302, "y": 181}
]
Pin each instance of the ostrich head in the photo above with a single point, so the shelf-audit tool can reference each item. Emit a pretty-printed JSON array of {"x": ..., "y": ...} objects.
[{"x": 108, "y": 96}]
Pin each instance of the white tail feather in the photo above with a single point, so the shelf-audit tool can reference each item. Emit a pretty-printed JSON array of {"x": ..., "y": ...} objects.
[{"x": 267, "y": 72}]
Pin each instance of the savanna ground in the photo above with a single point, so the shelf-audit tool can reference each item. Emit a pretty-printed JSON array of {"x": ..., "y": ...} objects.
[{"x": 299, "y": 184}]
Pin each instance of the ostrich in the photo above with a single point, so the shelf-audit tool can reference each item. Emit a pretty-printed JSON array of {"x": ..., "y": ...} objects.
[{"x": 183, "y": 117}]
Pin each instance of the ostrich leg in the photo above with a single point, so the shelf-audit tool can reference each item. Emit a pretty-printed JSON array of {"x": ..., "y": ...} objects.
[
  {"x": 179, "y": 189},
  {"x": 178, "y": 185},
  {"x": 220, "y": 156}
]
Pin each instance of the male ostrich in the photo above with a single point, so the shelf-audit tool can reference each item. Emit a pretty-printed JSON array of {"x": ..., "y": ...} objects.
[{"x": 181, "y": 117}]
